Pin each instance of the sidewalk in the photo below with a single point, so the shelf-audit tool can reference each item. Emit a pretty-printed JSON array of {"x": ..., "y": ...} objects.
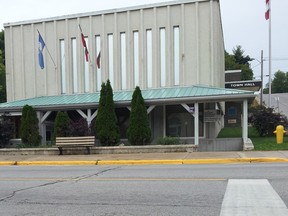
[{"x": 148, "y": 158}]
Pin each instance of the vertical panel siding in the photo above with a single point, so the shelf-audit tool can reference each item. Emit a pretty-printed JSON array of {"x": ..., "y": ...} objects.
[{"x": 201, "y": 60}]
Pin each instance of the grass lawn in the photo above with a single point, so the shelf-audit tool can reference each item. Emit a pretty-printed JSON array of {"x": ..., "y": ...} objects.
[
  {"x": 269, "y": 144},
  {"x": 260, "y": 143}
]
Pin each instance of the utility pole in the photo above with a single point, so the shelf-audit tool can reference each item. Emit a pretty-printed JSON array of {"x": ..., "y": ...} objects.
[
  {"x": 261, "y": 99},
  {"x": 270, "y": 63}
]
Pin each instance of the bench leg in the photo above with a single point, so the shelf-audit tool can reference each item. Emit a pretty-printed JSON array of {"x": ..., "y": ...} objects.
[
  {"x": 60, "y": 150},
  {"x": 88, "y": 150}
]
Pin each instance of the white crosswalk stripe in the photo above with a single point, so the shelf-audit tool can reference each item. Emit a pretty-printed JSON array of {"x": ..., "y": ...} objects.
[{"x": 247, "y": 197}]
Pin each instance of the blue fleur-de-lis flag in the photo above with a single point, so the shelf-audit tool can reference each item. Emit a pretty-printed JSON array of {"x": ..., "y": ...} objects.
[{"x": 41, "y": 46}]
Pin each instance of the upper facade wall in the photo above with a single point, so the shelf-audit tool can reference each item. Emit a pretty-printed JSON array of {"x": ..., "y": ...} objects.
[{"x": 161, "y": 45}]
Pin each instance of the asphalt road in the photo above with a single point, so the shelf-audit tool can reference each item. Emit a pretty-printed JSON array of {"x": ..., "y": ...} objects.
[{"x": 144, "y": 190}]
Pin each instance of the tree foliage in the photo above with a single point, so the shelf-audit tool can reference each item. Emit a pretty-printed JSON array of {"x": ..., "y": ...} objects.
[
  {"x": 2, "y": 46},
  {"x": 138, "y": 131},
  {"x": 265, "y": 120},
  {"x": 2, "y": 69},
  {"x": 2, "y": 79},
  {"x": 7, "y": 128},
  {"x": 62, "y": 126},
  {"x": 29, "y": 127},
  {"x": 237, "y": 61},
  {"x": 280, "y": 82},
  {"x": 101, "y": 108},
  {"x": 107, "y": 130},
  {"x": 79, "y": 127}
]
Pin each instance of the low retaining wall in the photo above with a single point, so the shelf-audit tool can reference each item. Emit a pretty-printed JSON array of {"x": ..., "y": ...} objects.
[
  {"x": 205, "y": 145},
  {"x": 101, "y": 150},
  {"x": 220, "y": 144}
]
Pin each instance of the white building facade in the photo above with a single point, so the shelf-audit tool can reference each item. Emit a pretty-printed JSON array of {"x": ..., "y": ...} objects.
[
  {"x": 171, "y": 47},
  {"x": 170, "y": 44}
]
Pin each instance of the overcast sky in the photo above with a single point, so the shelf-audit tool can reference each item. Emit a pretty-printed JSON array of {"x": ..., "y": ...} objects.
[{"x": 242, "y": 20}]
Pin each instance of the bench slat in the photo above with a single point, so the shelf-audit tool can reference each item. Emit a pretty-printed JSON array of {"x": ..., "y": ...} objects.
[
  {"x": 74, "y": 141},
  {"x": 87, "y": 142},
  {"x": 75, "y": 144}
]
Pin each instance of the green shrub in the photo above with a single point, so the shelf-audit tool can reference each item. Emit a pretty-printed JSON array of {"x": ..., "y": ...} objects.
[
  {"x": 7, "y": 128},
  {"x": 29, "y": 128},
  {"x": 107, "y": 130},
  {"x": 138, "y": 131},
  {"x": 168, "y": 141},
  {"x": 265, "y": 120},
  {"x": 62, "y": 125}
]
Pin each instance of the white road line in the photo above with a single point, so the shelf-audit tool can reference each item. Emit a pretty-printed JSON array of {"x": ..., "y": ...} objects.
[{"x": 252, "y": 197}]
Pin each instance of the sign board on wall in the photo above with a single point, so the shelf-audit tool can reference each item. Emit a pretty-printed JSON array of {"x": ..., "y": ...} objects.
[
  {"x": 243, "y": 84},
  {"x": 192, "y": 110},
  {"x": 232, "y": 121},
  {"x": 211, "y": 115}
]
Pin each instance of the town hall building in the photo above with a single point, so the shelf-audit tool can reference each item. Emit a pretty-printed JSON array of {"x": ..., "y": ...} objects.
[{"x": 174, "y": 51}]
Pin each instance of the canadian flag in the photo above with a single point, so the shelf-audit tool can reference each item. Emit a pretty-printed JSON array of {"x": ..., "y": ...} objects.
[
  {"x": 98, "y": 60},
  {"x": 267, "y": 13}
]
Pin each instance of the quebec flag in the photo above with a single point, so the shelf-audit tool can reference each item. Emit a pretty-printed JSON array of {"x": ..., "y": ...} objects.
[{"x": 40, "y": 51}]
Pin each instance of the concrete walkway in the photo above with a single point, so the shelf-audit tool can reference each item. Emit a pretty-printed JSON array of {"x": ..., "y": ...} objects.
[{"x": 148, "y": 158}]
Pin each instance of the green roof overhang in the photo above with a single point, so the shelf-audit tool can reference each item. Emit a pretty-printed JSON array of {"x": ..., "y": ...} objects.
[{"x": 173, "y": 95}]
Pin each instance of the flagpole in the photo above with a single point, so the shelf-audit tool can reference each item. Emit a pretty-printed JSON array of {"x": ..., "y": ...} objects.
[
  {"x": 49, "y": 52},
  {"x": 51, "y": 57},
  {"x": 270, "y": 62}
]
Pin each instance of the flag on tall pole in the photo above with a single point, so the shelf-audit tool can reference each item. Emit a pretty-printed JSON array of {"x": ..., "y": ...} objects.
[
  {"x": 41, "y": 45},
  {"x": 268, "y": 17},
  {"x": 267, "y": 12},
  {"x": 84, "y": 45}
]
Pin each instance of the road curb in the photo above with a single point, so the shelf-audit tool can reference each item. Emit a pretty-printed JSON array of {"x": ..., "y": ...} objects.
[
  {"x": 139, "y": 162},
  {"x": 54, "y": 163},
  {"x": 146, "y": 162},
  {"x": 7, "y": 163}
]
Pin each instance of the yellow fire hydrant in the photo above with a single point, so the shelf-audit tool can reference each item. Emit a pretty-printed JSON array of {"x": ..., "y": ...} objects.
[{"x": 279, "y": 134}]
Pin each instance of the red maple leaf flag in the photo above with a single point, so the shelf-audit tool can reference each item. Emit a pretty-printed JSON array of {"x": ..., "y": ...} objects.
[
  {"x": 84, "y": 45},
  {"x": 267, "y": 13},
  {"x": 98, "y": 60}
]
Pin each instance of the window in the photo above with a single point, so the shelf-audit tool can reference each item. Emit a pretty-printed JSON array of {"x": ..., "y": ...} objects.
[
  {"x": 86, "y": 72},
  {"x": 232, "y": 111},
  {"x": 98, "y": 70},
  {"x": 163, "y": 56},
  {"x": 180, "y": 123},
  {"x": 74, "y": 65},
  {"x": 62, "y": 66},
  {"x": 123, "y": 66},
  {"x": 136, "y": 57},
  {"x": 176, "y": 44},
  {"x": 111, "y": 59},
  {"x": 149, "y": 56}
]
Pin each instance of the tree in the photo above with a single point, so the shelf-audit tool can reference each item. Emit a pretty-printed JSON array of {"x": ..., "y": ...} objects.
[
  {"x": 2, "y": 81},
  {"x": 280, "y": 82},
  {"x": 101, "y": 108},
  {"x": 62, "y": 126},
  {"x": 265, "y": 120},
  {"x": 29, "y": 127},
  {"x": 107, "y": 129},
  {"x": 237, "y": 61},
  {"x": 2, "y": 69},
  {"x": 7, "y": 128},
  {"x": 138, "y": 131},
  {"x": 2, "y": 46}
]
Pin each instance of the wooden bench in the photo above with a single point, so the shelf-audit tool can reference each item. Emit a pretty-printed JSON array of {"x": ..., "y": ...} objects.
[{"x": 70, "y": 142}]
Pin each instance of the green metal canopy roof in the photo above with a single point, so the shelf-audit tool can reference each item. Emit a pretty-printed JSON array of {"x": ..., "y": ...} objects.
[{"x": 171, "y": 95}]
